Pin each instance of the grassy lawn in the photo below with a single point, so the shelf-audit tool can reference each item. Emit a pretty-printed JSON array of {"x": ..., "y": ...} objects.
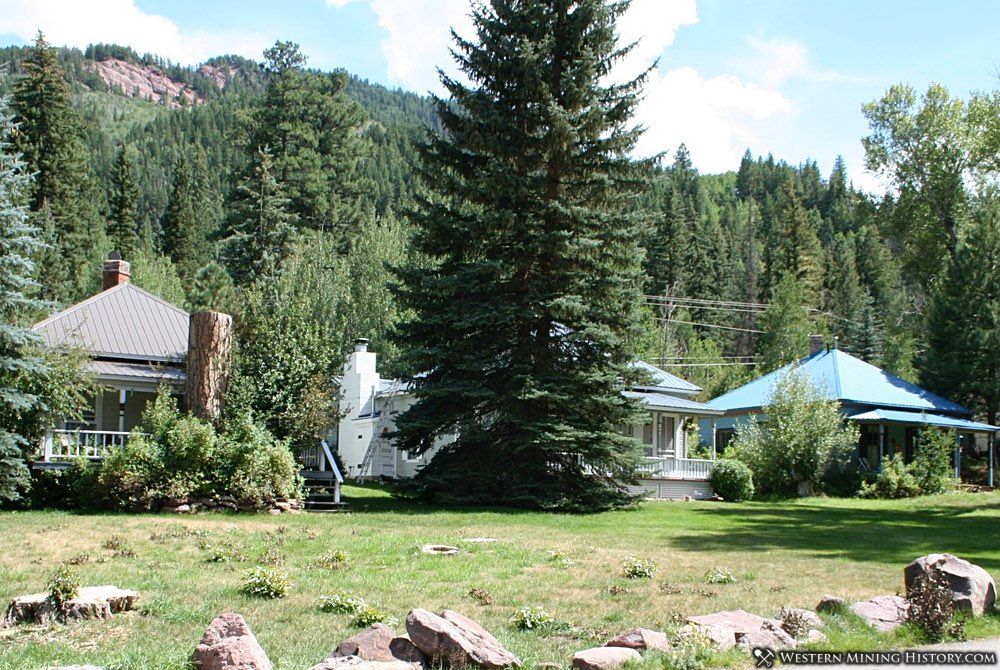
[{"x": 787, "y": 553}]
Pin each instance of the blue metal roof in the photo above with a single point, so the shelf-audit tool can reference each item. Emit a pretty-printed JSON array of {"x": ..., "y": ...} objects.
[
  {"x": 663, "y": 380},
  {"x": 842, "y": 377},
  {"x": 662, "y": 401},
  {"x": 921, "y": 419}
]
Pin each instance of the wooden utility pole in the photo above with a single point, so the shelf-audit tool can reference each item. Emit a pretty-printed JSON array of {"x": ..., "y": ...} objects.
[{"x": 210, "y": 343}]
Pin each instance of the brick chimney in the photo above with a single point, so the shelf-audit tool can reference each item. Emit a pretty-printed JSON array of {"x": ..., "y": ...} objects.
[
  {"x": 815, "y": 344},
  {"x": 116, "y": 271}
]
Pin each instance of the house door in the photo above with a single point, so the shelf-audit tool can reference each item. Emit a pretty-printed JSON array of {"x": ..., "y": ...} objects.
[{"x": 667, "y": 432}]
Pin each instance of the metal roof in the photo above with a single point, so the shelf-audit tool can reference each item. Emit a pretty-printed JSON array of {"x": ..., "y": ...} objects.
[
  {"x": 921, "y": 419},
  {"x": 663, "y": 380},
  {"x": 117, "y": 370},
  {"x": 842, "y": 377},
  {"x": 662, "y": 401},
  {"x": 121, "y": 322}
]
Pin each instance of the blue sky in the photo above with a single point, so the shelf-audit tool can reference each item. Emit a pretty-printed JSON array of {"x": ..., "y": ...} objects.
[{"x": 780, "y": 76}]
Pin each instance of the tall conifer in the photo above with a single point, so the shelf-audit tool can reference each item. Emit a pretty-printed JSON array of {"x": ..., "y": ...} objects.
[
  {"x": 522, "y": 320},
  {"x": 123, "y": 232}
]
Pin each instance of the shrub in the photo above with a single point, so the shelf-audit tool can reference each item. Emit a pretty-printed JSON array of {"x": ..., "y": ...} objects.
[
  {"x": 802, "y": 437},
  {"x": 894, "y": 481},
  {"x": 794, "y": 622},
  {"x": 265, "y": 583},
  {"x": 531, "y": 618},
  {"x": 63, "y": 586},
  {"x": 130, "y": 477},
  {"x": 732, "y": 480},
  {"x": 931, "y": 466},
  {"x": 638, "y": 568},
  {"x": 369, "y": 616},
  {"x": 342, "y": 603},
  {"x": 253, "y": 467},
  {"x": 690, "y": 654},
  {"x": 481, "y": 596},
  {"x": 719, "y": 576},
  {"x": 334, "y": 561},
  {"x": 932, "y": 609}
]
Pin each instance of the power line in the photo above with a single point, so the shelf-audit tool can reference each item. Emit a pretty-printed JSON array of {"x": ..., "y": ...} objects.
[{"x": 710, "y": 325}]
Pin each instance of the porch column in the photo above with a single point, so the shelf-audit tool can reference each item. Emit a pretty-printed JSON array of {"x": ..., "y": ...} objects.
[
  {"x": 122, "y": 397},
  {"x": 881, "y": 445},
  {"x": 989, "y": 442},
  {"x": 958, "y": 456},
  {"x": 99, "y": 409},
  {"x": 713, "y": 438}
]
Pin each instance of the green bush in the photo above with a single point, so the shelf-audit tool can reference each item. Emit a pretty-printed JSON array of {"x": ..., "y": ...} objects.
[
  {"x": 369, "y": 616},
  {"x": 531, "y": 618},
  {"x": 265, "y": 583},
  {"x": 732, "y": 480},
  {"x": 63, "y": 586},
  {"x": 929, "y": 473},
  {"x": 894, "y": 481},
  {"x": 179, "y": 456},
  {"x": 801, "y": 437},
  {"x": 638, "y": 568},
  {"x": 719, "y": 576},
  {"x": 342, "y": 603},
  {"x": 931, "y": 466}
]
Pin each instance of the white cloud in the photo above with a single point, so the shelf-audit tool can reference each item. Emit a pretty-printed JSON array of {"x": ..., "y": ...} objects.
[
  {"x": 713, "y": 117},
  {"x": 78, "y": 23}
]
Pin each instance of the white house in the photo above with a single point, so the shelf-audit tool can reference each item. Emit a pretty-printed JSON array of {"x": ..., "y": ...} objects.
[{"x": 369, "y": 405}]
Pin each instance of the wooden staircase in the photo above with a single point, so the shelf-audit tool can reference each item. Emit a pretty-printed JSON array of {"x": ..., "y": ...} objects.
[{"x": 321, "y": 496}]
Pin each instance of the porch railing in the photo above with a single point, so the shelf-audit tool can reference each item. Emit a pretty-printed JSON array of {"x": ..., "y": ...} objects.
[
  {"x": 65, "y": 445},
  {"x": 676, "y": 468}
]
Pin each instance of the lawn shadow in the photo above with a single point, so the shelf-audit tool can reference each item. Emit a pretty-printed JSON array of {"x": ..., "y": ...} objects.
[{"x": 881, "y": 532}]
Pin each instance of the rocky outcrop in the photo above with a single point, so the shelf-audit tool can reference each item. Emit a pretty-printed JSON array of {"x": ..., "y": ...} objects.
[
  {"x": 229, "y": 644},
  {"x": 831, "y": 604},
  {"x": 748, "y": 630},
  {"x": 456, "y": 640},
  {"x": 884, "y": 613},
  {"x": 972, "y": 588},
  {"x": 641, "y": 639},
  {"x": 92, "y": 602},
  {"x": 604, "y": 658},
  {"x": 137, "y": 80}
]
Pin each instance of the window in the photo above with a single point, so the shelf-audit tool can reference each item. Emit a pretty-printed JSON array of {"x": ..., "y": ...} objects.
[
  {"x": 722, "y": 439},
  {"x": 667, "y": 430}
]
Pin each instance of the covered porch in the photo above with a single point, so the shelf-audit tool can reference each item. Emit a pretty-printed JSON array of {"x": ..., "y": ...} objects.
[
  {"x": 669, "y": 438},
  {"x": 885, "y": 432},
  {"x": 121, "y": 394}
]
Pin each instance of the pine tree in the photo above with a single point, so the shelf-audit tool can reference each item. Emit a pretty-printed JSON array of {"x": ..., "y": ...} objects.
[
  {"x": 212, "y": 289},
  {"x": 63, "y": 192},
  {"x": 313, "y": 132},
  {"x": 123, "y": 227},
  {"x": 963, "y": 355},
  {"x": 261, "y": 230},
  {"x": 786, "y": 326},
  {"x": 798, "y": 251},
  {"x": 521, "y": 322},
  {"x": 666, "y": 269},
  {"x": 19, "y": 243},
  {"x": 866, "y": 337},
  {"x": 184, "y": 239}
]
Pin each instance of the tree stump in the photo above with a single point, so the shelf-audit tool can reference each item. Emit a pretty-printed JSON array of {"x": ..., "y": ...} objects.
[{"x": 210, "y": 340}]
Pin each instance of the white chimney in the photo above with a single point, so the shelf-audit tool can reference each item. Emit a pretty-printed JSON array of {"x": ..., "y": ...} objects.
[{"x": 360, "y": 384}]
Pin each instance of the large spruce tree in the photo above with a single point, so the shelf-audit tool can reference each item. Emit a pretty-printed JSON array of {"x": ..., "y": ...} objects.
[
  {"x": 19, "y": 243},
  {"x": 521, "y": 321},
  {"x": 123, "y": 231},
  {"x": 64, "y": 201}
]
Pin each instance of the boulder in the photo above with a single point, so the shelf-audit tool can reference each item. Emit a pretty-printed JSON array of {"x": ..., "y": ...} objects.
[
  {"x": 371, "y": 644},
  {"x": 403, "y": 649},
  {"x": 229, "y": 644},
  {"x": 883, "y": 613},
  {"x": 357, "y": 663},
  {"x": 641, "y": 639},
  {"x": 749, "y": 630},
  {"x": 456, "y": 640},
  {"x": 721, "y": 637},
  {"x": 814, "y": 636},
  {"x": 604, "y": 658},
  {"x": 92, "y": 602},
  {"x": 831, "y": 604},
  {"x": 972, "y": 588}
]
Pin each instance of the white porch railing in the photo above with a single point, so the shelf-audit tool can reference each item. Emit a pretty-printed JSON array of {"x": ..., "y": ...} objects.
[
  {"x": 676, "y": 468},
  {"x": 65, "y": 445}
]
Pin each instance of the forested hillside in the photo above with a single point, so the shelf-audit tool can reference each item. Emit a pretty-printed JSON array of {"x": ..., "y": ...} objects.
[{"x": 280, "y": 193}]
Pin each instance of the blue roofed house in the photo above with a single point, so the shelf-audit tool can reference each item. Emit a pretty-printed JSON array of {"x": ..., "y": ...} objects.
[
  {"x": 889, "y": 411},
  {"x": 369, "y": 405}
]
